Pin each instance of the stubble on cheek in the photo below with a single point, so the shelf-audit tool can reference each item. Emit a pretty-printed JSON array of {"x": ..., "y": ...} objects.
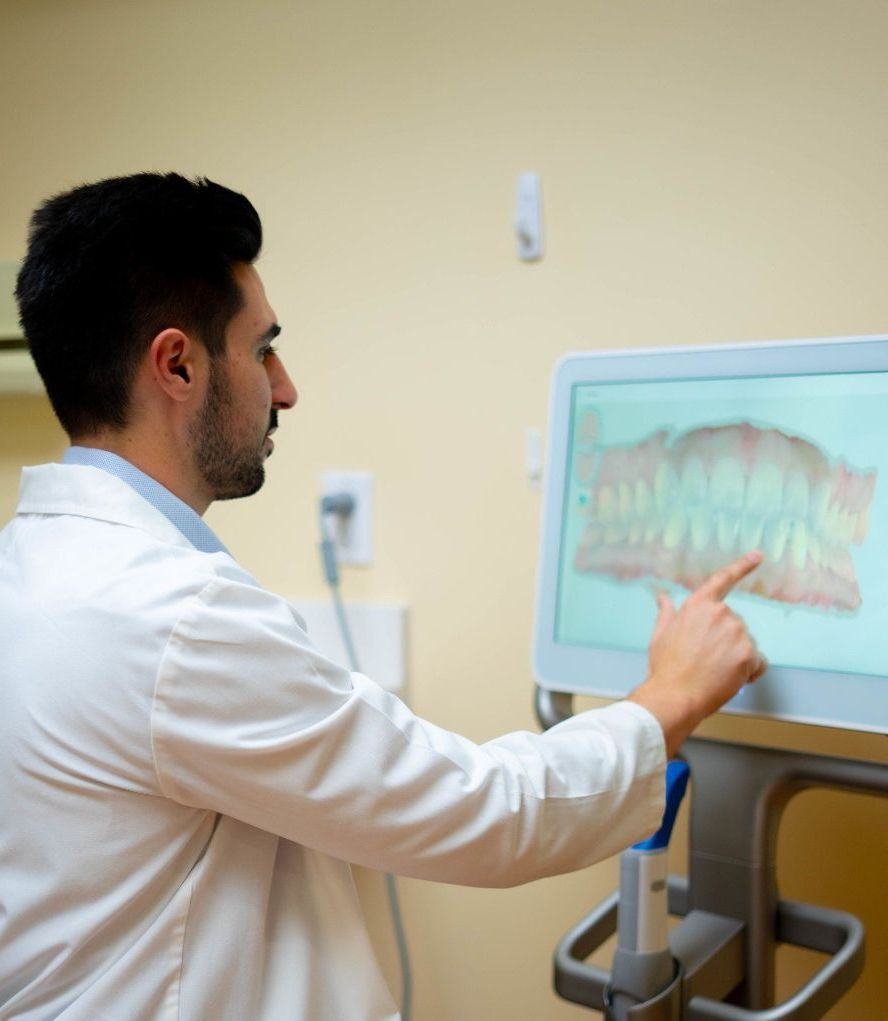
[{"x": 230, "y": 467}]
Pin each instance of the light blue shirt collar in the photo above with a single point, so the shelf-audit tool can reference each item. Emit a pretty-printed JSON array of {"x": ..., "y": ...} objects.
[{"x": 185, "y": 518}]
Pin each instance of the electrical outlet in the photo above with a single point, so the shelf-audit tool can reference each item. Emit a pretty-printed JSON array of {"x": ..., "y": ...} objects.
[{"x": 353, "y": 535}]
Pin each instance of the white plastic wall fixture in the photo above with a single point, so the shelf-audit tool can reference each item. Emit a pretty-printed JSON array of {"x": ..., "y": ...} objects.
[
  {"x": 528, "y": 218},
  {"x": 533, "y": 457},
  {"x": 378, "y": 631}
]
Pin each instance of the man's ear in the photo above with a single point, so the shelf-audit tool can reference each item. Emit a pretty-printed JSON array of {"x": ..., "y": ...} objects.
[{"x": 172, "y": 360}]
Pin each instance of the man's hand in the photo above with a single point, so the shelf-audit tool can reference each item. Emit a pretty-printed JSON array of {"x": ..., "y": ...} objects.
[{"x": 700, "y": 656}]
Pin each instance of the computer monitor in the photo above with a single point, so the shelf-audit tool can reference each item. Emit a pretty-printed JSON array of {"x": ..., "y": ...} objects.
[{"x": 664, "y": 464}]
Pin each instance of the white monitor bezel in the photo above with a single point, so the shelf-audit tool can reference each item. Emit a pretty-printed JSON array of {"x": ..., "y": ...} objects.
[{"x": 612, "y": 673}]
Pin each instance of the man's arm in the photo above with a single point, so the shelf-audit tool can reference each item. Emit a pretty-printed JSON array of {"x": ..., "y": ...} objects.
[{"x": 250, "y": 721}]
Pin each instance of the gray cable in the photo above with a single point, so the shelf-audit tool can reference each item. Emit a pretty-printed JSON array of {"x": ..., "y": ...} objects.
[
  {"x": 331, "y": 574},
  {"x": 345, "y": 630},
  {"x": 403, "y": 950}
]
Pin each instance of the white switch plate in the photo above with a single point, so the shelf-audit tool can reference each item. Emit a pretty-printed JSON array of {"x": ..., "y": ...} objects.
[
  {"x": 378, "y": 632},
  {"x": 354, "y": 535}
]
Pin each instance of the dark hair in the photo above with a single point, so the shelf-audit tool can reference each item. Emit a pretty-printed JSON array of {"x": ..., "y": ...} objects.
[{"x": 110, "y": 265}]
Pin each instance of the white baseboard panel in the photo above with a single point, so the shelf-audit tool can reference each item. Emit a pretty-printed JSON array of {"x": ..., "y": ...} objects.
[{"x": 379, "y": 634}]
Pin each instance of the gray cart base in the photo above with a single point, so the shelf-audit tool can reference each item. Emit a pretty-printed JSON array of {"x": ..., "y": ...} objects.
[{"x": 732, "y": 918}]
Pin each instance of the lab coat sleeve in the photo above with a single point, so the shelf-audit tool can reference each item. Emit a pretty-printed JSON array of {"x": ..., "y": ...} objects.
[{"x": 250, "y": 721}]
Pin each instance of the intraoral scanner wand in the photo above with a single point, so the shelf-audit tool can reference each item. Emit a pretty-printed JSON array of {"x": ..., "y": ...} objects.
[{"x": 643, "y": 964}]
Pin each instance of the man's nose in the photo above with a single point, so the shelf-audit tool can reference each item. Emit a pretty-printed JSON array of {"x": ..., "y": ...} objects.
[{"x": 283, "y": 394}]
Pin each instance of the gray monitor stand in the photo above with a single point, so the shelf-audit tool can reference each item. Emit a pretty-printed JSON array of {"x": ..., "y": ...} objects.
[{"x": 732, "y": 916}]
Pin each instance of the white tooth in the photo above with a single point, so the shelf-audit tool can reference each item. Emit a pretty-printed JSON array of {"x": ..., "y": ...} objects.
[
  {"x": 819, "y": 504},
  {"x": 751, "y": 532},
  {"x": 665, "y": 486},
  {"x": 775, "y": 537},
  {"x": 764, "y": 494},
  {"x": 642, "y": 498},
  {"x": 726, "y": 527},
  {"x": 675, "y": 527},
  {"x": 831, "y": 523},
  {"x": 692, "y": 486},
  {"x": 844, "y": 565},
  {"x": 652, "y": 530},
  {"x": 589, "y": 540},
  {"x": 636, "y": 529},
  {"x": 625, "y": 500},
  {"x": 701, "y": 527},
  {"x": 727, "y": 487},
  {"x": 614, "y": 533},
  {"x": 798, "y": 545},
  {"x": 815, "y": 550},
  {"x": 861, "y": 526},
  {"x": 846, "y": 525},
  {"x": 796, "y": 497},
  {"x": 607, "y": 504},
  {"x": 832, "y": 555}
]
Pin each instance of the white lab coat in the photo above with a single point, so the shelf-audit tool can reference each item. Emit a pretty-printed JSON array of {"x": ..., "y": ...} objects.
[{"x": 183, "y": 779}]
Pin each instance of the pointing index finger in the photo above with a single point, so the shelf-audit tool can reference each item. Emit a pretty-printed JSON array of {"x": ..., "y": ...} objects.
[{"x": 718, "y": 585}]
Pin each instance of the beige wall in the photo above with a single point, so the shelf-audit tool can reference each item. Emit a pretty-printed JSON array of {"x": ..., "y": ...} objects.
[{"x": 711, "y": 171}]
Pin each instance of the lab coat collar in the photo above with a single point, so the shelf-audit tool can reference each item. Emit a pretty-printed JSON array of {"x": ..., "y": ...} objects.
[
  {"x": 185, "y": 518},
  {"x": 90, "y": 492}
]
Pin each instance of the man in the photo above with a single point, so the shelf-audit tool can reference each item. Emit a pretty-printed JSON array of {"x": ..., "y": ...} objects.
[{"x": 189, "y": 776}]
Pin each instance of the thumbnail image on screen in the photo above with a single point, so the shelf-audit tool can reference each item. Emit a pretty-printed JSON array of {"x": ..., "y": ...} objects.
[{"x": 668, "y": 481}]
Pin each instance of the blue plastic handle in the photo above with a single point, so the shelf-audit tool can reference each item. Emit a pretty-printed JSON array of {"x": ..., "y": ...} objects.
[{"x": 677, "y": 773}]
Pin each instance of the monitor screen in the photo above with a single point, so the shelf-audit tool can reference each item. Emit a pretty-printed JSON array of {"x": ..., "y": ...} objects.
[{"x": 665, "y": 465}]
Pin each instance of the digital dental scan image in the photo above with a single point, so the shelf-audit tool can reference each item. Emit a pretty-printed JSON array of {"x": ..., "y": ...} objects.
[
  {"x": 667, "y": 481},
  {"x": 673, "y": 506}
]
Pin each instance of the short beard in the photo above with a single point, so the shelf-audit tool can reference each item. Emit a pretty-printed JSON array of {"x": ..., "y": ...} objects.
[{"x": 229, "y": 472}]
